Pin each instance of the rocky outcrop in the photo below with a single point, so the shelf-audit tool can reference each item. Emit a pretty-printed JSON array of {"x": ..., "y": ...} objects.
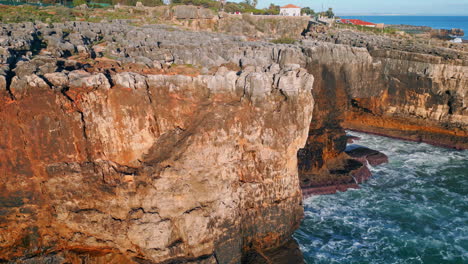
[
  {"x": 382, "y": 90},
  {"x": 444, "y": 34},
  {"x": 197, "y": 18},
  {"x": 372, "y": 41},
  {"x": 363, "y": 154},
  {"x": 128, "y": 163},
  {"x": 259, "y": 27},
  {"x": 447, "y": 34},
  {"x": 323, "y": 165},
  {"x": 423, "y": 99},
  {"x": 192, "y": 12}
]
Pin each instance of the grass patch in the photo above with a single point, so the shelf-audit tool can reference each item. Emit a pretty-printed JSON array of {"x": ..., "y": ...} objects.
[
  {"x": 57, "y": 14},
  {"x": 28, "y": 13},
  {"x": 284, "y": 40}
]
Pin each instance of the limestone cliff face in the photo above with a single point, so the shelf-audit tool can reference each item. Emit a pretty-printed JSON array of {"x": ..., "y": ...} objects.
[
  {"x": 156, "y": 167},
  {"x": 424, "y": 99},
  {"x": 402, "y": 94},
  {"x": 104, "y": 165},
  {"x": 400, "y": 87},
  {"x": 338, "y": 70}
]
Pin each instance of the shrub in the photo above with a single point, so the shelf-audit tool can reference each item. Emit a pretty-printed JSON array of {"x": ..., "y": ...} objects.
[{"x": 215, "y": 5}]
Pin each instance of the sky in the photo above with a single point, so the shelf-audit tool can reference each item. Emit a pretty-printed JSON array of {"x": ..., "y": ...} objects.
[{"x": 380, "y": 7}]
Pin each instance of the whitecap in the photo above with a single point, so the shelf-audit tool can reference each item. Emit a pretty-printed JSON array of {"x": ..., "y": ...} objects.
[{"x": 413, "y": 204}]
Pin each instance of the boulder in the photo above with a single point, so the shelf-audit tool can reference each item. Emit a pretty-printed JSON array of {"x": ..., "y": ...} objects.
[
  {"x": 192, "y": 12},
  {"x": 24, "y": 85},
  {"x": 364, "y": 155}
]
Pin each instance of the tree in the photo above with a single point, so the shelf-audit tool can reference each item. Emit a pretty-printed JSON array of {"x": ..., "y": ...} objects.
[
  {"x": 252, "y": 3},
  {"x": 330, "y": 13},
  {"x": 273, "y": 9},
  {"x": 79, "y": 2},
  {"x": 308, "y": 11}
]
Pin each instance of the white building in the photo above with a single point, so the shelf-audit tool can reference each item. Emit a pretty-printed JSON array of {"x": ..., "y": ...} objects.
[{"x": 290, "y": 10}]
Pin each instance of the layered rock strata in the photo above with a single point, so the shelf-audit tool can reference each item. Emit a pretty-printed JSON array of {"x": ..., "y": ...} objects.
[
  {"x": 109, "y": 165},
  {"x": 381, "y": 88}
]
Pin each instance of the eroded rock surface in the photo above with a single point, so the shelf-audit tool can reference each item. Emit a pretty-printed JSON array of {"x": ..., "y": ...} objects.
[
  {"x": 383, "y": 87},
  {"x": 125, "y": 162}
]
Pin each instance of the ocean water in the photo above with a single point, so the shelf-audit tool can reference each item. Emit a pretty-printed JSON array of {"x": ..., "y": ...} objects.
[
  {"x": 437, "y": 22},
  {"x": 413, "y": 210}
]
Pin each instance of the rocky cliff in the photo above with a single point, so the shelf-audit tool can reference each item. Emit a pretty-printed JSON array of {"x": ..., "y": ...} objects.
[
  {"x": 375, "y": 84},
  {"x": 417, "y": 92},
  {"x": 115, "y": 161},
  {"x": 155, "y": 144}
]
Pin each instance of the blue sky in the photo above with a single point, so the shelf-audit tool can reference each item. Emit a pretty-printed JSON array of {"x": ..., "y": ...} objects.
[{"x": 369, "y": 7}]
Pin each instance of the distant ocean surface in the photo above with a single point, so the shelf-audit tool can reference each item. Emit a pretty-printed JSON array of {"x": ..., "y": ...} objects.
[{"x": 437, "y": 22}]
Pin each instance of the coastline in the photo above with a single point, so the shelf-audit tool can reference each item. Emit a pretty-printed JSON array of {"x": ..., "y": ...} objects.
[
  {"x": 190, "y": 130},
  {"x": 432, "y": 21}
]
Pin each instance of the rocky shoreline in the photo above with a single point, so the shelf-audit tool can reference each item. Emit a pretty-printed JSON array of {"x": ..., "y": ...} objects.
[{"x": 356, "y": 166}]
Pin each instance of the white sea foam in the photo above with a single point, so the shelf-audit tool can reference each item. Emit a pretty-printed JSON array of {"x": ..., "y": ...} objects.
[{"x": 414, "y": 210}]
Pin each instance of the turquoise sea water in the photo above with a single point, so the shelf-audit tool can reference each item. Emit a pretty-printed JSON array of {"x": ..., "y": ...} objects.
[
  {"x": 437, "y": 22},
  {"x": 413, "y": 210}
]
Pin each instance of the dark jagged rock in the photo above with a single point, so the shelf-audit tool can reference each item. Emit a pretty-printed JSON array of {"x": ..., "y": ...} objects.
[
  {"x": 351, "y": 139},
  {"x": 447, "y": 34},
  {"x": 364, "y": 155},
  {"x": 286, "y": 254}
]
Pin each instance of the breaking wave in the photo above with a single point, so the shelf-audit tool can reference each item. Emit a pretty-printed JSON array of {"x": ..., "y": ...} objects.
[{"x": 413, "y": 210}]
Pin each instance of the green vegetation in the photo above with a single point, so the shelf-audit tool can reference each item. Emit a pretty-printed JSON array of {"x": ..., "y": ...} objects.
[
  {"x": 308, "y": 11},
  {"x": 273, "y": 9},
  {"x": 243, "y": 7},
  {"x": 252, "y": 3},
  {"x": 329, "y": 13},
  {"x": 246, "y": 6},
  {"x": 98, "y": 11},
  {"x": 54, "y": 14},
  {"x": 27, "y": 13},
  {"x": 214, "y": 5},
  {"x": 284, "y": 40},
  {"x": 367, "y": 29},
  {"x": 125, "y": 2},
  {"x": 79, "y": 2}
]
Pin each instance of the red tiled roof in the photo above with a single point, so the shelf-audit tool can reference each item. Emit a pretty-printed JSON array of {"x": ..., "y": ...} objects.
[
  {"x": 357, "y": 22},
  {"x": 290, "y": 6}
]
